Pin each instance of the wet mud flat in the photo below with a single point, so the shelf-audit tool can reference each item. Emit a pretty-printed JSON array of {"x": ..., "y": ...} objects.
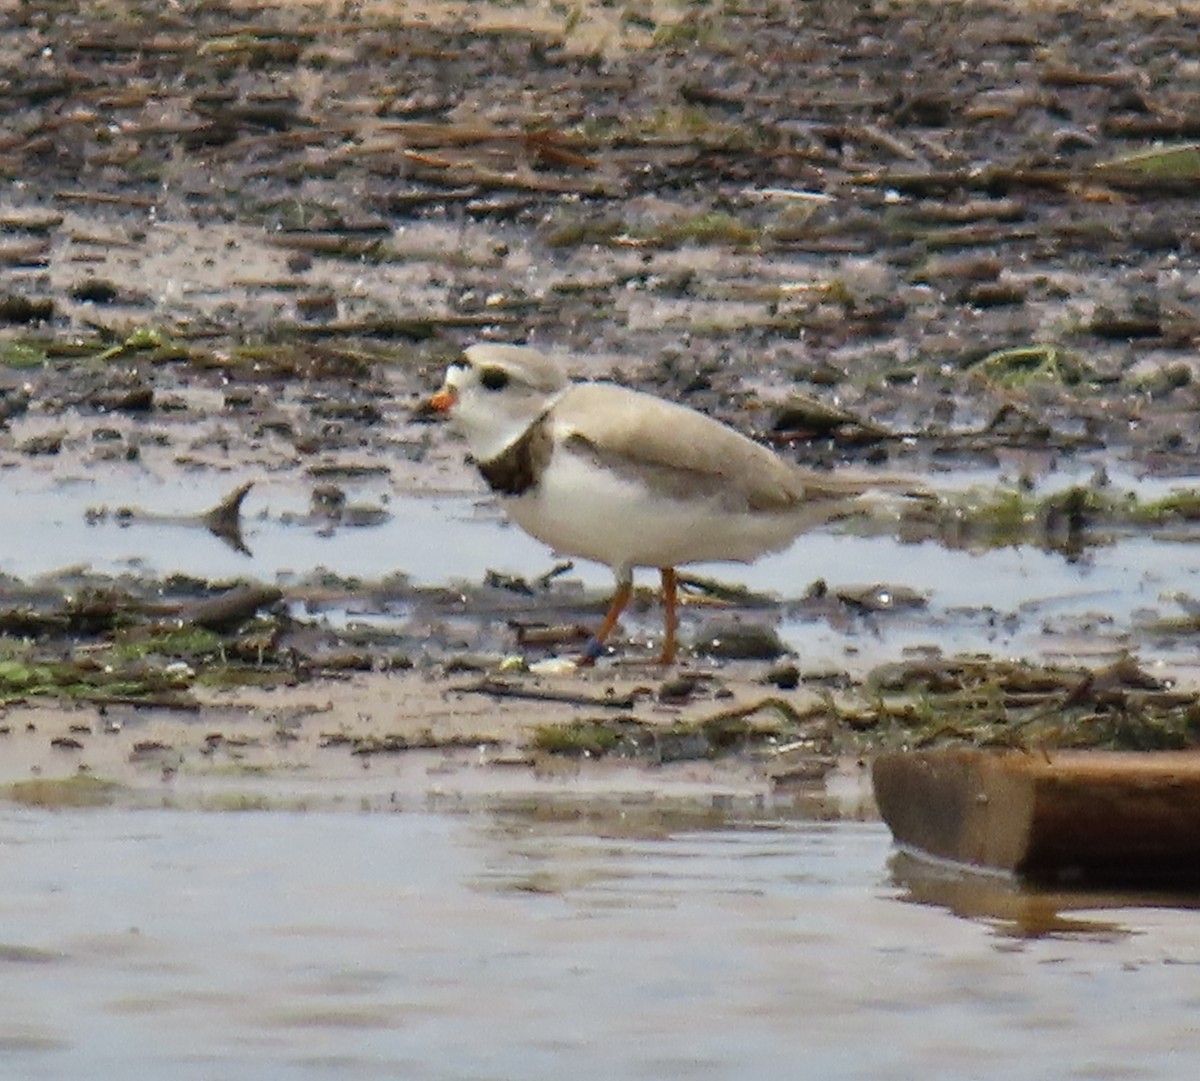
[{"x": 239, "y": 242}]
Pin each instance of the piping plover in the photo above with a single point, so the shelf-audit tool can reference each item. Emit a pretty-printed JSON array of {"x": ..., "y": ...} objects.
[{"x": 614, "y": 475}]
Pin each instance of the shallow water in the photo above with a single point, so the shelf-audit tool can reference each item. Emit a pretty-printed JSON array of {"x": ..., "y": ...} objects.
[
  {"x": 504, "y": 945},
  {"x": 1019, "y": 601}
]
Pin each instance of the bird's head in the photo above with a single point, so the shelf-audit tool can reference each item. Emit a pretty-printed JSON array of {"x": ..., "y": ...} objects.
[{"x": 493, "y": 393}]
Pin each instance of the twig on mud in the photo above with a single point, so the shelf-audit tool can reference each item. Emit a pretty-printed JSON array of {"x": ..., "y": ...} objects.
[
  {"x": 224, "y": 612},
  {"x": 225, "y": 519},
  {"x": 107, "y": 198},
  {"x": 565, "y": 567},
  {"x": 788, "y": 712},
  {"x": 460, "y": 173},
  {"x": 147, "y": 701},
  {"x": 542, "y": 636},
  {"x": 416, "y": 328},
  {"x": 498, "y": 688},
  {"x": 712, "y": 589}
]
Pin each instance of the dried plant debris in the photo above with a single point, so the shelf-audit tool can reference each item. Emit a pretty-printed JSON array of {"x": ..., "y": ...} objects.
[
  {"x": 144, "y": 646},
  {"x": 742, "y": 729},
  {"x": 975, "y": 701},
  {"x": 995, "y": 703}
]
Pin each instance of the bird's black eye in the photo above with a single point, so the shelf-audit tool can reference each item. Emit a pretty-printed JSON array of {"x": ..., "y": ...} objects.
[{"x": 494, "y": 378}]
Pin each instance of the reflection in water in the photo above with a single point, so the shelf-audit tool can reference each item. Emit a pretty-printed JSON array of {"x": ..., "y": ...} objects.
[
  {"x": 1016, "y": 909},
  {"x": 508, "y": 945}
]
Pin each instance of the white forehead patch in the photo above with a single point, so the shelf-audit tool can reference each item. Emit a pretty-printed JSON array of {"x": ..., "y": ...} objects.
[{"x": 458, "y": 376}]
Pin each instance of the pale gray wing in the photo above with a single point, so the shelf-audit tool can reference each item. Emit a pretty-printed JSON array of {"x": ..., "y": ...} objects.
[{"x": 674, "y": 450}]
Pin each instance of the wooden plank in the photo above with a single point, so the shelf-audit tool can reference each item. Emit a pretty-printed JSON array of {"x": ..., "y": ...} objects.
[{"x": 1094, "y": 817}]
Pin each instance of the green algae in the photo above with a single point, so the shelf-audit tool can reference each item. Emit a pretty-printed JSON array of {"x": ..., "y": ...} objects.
[{"x": 80, "y": 790}]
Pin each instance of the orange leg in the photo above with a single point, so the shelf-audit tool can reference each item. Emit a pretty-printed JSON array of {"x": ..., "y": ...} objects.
[
  {"x": 670, "y": 615},
  {"x": 620, "y": 598}
]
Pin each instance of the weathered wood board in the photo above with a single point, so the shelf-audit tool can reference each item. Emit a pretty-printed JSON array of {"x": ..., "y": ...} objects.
[{"x": 1070, "y": 816}]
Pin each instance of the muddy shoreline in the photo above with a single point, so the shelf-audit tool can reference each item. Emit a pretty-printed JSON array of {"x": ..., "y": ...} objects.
[{"x": 240, "y": 242}]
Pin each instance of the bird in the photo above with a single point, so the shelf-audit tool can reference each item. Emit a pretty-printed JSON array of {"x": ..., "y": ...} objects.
[{"x": 621, "y": 477}]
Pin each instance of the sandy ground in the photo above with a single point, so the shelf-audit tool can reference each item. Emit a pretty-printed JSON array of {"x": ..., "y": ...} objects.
[{"x": 327, "y": 745}]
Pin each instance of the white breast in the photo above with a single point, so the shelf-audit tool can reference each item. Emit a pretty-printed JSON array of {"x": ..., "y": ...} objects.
[{"x": 581, "y": 509}]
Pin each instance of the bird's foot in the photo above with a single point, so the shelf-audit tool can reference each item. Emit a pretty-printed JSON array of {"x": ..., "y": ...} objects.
[
  {"x": 596, "y": 649},
  {"x": 663, "y": 660},
  {"x": 591, "y": 652}
]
